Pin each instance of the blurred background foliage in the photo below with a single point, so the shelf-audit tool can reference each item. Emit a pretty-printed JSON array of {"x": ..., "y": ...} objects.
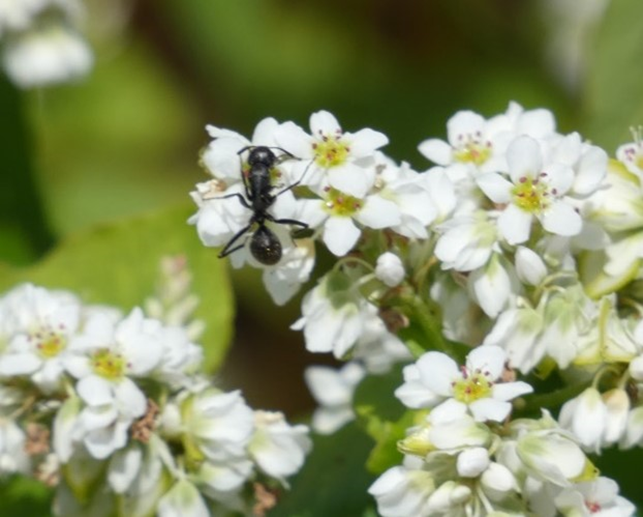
[{"x": 124, "y": 141}]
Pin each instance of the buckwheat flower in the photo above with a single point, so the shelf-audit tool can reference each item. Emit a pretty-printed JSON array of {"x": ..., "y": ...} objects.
[
  {"x": 13, "y": 456},
  {"x": 333, "y": 390},
  {"x": 16, "y": 15},
  {"x": 470, "y": 142},
  {"x": 376, "y": 347},
  {"x": 422, "y": 198},
  {"x": 435, "y": 381},
  {"x": 183, "y": 499},
  {"x": 467, "y": 241},
  {"x": 334, "y": 314},
  {"x": 589, "y": 163},
  {"x": 631, "y": 154},
  {"x": 404, "y": 490},
  {"x": 343, "y": 160},
  {"x": 598, "y": 498},
  {"x": 492, "y": 285},
  {"x": 278, "y": 448},
  {"x": 338, "y": 212},
  {"x": 283, "y": 280},
  {"x": 40, "y": 324},
  {"x": 181, "y": 358},
  {"x": 224, "y": 480},
  {"x": 553, "y": 456},
  {"x": 49, "y": 53},
  {"x": 536, "y": 190},
  {"x": 217, "y": 425},
  {"x": 585, "y": 416}
]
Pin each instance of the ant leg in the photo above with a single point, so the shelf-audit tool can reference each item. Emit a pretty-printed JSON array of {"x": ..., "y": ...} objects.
[
  {"x": 242, "y": 200},
  {"x": 227, "y": 251},
  {"x": 296, "y": 183},
  {"x": 291, "y": 221}
]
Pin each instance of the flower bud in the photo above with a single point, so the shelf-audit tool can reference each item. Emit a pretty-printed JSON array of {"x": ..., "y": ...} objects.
[
  {"x": 473, "y": 462},
  {"x": 530, "y": 268},
  {"x": 389, "y": 269}
]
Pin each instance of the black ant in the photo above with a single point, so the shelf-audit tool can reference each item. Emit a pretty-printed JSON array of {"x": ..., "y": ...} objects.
[{"x": 264, "y": 244}]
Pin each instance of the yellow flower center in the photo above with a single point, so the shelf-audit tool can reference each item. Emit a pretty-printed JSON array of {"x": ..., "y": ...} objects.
[
  {"x": 532, "y": 195},
  {"x": 50, "y": 344},
  {"x": 472, "y": 386},
  {"x": 331, "y": 151},
  {"x": 472, "y": 149},
  {"x": 340, "y": 204},
  {"x": 108, "y": 364}
]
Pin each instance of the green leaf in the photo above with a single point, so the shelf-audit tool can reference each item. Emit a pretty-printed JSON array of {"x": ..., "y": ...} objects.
[
  {"x": 118, "y": 264},
  {"x": 333, "y": 480},
  {"x": 25, "y": 497},
  {"x": 614, "y": 101},
  {"x": 384, "y": 418}
]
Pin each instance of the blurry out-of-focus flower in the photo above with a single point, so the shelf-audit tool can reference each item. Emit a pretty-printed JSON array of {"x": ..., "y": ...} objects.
[{"x": 41, "y": 42}]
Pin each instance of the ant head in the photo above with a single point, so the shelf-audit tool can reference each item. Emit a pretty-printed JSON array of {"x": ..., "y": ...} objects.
[
  {"x": 265, "y": 246},
  {"x": 262, "y": 155}
]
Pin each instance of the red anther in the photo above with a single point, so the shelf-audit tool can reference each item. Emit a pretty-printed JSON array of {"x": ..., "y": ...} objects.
[{"x": 523, "y": 179}]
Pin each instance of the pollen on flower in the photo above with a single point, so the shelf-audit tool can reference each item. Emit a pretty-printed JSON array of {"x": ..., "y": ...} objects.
[
  {"x": 471, "y": 149},
  {"x": 49, "y": 343},
  {"x": 473, "y": 386},
  {"x": 109, "y": 365},
  {"x": 593, "y": 507},
  {"x": 532, "y": 195},
  {"x": 341, "y": 204},
  {"x": 331, "y": 151}
]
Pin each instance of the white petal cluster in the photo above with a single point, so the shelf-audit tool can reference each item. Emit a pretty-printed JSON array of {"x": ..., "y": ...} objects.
[
  {"x": 463, "y": 467},
  {"x": 129, "y": 411},
  {"x": 42, "y": 44}
]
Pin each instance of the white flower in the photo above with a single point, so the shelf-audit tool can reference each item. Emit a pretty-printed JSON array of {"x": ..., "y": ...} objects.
[
  {"x": 551, "y": 455},
  {"x": 41, "y": 324},
  {"x": 333, "y": 391},
  {"x": 13, "y": 456},
  {"x": 183, "y": 499},
  {"x": 343, "y": 160},
  {"x": 631, "y": 154},
  {"x": 467, "y": 241},
  {"x": 334, "y": 314},
  {"x": 536, "y": 189},
  {"x": 48, "y": 53},
  {"x": 598, "y": 498},
  {"x": 277, "y": 447},
  {"x": 389, "y": 269},
  {"x": 338, "y": 212},
  {"x": 403, "y": 491},
  {"x": 585, "y": 416},
  {"x": 219, "y": 425},
  {"x": 435, "y": 380},
  {"x": 284, "y": 279},
  {"x": 422, "y": 199}
]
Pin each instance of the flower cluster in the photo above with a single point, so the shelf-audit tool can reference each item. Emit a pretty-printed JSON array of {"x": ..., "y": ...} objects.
[
  {"x": 92, "y": 397},
  {"x": 461, "y": 460},
  {"x": 41, "y": 41},
  {"x": 521, "y": 242}
]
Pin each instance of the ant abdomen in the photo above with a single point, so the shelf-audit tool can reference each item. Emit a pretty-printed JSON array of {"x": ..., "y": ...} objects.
[{"x": 265, "y": 246}]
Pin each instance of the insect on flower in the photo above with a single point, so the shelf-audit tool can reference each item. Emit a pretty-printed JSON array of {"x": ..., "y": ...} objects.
[{"x": 265, "y": 246}]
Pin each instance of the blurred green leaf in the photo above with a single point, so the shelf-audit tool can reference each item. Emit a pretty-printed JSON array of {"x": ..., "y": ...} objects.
[
  {"x": 23, "y": 231},
  {"x": 383, "y": 417},
  {"x": 119, "y": 263},
  {"x": 614, "y": 102},
  {"x": 333, "y": 480},
  {"x": 24, "y": 497}
]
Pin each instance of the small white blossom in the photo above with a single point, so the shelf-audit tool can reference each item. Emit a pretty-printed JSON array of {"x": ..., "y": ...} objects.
[
  {"x": 333, "y": 391},
  {"x": 277, "y": 447},
  {"x": 436, "y": 381},
  {"x": 598, "y": 498}
]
